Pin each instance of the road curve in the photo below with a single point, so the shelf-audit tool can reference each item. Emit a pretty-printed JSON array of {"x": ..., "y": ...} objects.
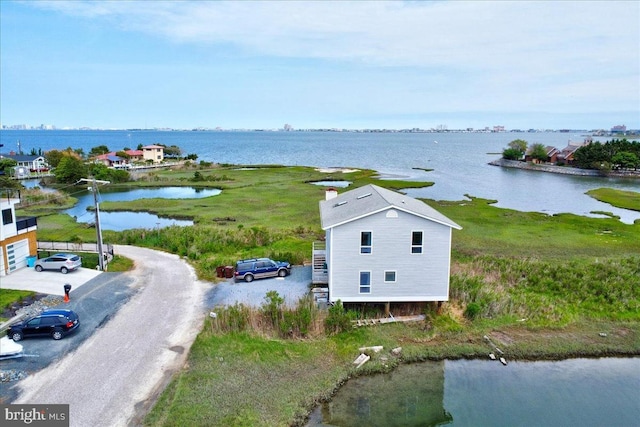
[{"x": 115, "y": 375}]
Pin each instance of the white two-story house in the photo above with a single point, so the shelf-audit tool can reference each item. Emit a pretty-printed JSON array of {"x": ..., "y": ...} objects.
[
  {"x": 18, "y": 239},
  {"x": 384, "y": 247}
]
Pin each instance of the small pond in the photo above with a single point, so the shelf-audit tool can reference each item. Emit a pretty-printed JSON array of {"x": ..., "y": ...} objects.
[
  {"x": 118, "y": 221},
  {"x": 34, "y": 183},
  {"x": 339, "y": 184}
]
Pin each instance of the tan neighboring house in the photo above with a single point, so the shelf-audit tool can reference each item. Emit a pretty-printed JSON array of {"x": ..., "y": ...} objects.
[
  {"x": 153, "y": 152},
  {"x": 18, "y": 240}
]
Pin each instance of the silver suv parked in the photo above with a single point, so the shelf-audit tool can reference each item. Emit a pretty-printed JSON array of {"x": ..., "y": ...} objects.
[{"x": 60, "y": 262}]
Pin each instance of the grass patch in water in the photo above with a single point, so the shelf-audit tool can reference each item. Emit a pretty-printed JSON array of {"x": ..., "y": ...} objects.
[{"x": 618, "y": 198}]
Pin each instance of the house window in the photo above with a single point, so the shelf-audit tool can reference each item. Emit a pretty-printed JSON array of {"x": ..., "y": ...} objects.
[
  {"x": 416, "y": 242},
  {"x": 7, "y": 217},
  {"x": 389, "y": 276},
  {"x": 365, "y": 282},
  {"x": 365, "y": 242}
]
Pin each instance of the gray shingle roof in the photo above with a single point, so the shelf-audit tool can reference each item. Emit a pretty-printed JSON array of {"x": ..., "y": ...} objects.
[{"x": 370, "y": 199}]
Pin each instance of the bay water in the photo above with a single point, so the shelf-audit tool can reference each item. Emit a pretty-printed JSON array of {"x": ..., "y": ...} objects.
[{"x": 456, "y": 162}]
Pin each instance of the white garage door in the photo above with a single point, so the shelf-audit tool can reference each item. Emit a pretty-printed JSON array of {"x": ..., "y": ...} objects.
[{"x": 17, "y": 254}]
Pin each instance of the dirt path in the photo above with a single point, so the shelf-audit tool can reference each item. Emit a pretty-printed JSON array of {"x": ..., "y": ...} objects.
[{"x": 115, "y": 375}]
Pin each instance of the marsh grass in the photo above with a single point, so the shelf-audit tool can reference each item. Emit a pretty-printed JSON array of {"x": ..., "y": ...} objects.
[
  {"x": 619, "y": 198},
  {"x": 546, "y": 293}
]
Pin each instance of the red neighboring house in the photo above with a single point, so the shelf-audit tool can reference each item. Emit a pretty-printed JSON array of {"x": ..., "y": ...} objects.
[
  {"x": 552, "y": 155},
  {"x": 566, "y": 154},
  {"x": 112, "y": 160}
]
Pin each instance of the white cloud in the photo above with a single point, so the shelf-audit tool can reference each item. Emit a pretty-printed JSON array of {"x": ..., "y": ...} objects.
[
  {"x": 465, "y": 34},
  {"x": 420, "y": 56}
]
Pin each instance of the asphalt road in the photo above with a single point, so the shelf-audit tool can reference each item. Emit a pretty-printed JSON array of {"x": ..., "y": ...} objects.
[
  {"x": 111, "y": 369},
  {"x": 95, "y": 302}
]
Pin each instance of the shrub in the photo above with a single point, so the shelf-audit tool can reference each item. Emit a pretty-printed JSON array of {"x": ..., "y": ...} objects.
[
  {"x": 472, "y": 311},
  {"x": 338, "y": 319},
  {"x": 272, "y": 308}
]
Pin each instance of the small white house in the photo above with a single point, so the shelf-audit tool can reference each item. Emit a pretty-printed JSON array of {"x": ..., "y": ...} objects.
[{"x": 382, "y": 246}]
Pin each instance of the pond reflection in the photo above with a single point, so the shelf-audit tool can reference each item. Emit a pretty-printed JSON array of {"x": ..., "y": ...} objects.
[
  {"x": 119, "y": 221},
  {"x": 399, "y": 398},
  {"x": 575, "y": 392}
]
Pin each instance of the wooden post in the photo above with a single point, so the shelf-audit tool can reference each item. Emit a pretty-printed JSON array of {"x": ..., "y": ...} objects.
[{"x": 387, "y": 308}]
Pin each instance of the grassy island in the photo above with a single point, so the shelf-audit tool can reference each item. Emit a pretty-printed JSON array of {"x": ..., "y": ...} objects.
[{"x": 539, "y": 286}]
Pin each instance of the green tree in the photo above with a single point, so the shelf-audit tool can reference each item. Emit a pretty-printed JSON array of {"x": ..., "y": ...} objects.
[
  {"x": 53, "y": 157},
  {"x": 7, "y": 165},
  {"x": 99, "y": 171},
  {"x": 119, "y": 175},
  {"x": 539, "y": 152},
  {"x": 173, "y": 151},
  {"x": 596, "y": 154},
  {"x": 520, "y": 145},
  {"x": 625, "y": 160},
  {"x": 99, "y": 150},
  {"x": 7, "y": 182},
  {"x": 104, "y": 173},
  {"x": 511, "y": 154},
  {"x": 70, "y": 169}
]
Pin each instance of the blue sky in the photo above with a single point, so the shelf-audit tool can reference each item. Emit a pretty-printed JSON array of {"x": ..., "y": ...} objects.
[{"x": 128, "y": 64}]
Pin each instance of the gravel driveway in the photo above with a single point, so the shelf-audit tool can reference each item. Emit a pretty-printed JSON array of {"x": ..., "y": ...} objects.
[{"x": 291, "y": 288}]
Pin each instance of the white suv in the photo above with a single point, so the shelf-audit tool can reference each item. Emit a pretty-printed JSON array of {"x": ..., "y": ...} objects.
[{"x": 60, "y": 262}]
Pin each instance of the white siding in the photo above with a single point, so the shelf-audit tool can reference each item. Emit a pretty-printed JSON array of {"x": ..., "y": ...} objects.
[
  {"x": 9, "y": 229},
  {"x": 419, "y": 277}
]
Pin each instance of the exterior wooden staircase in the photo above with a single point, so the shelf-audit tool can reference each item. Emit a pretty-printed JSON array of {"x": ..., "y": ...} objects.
[{"x": 320, "y": 272}]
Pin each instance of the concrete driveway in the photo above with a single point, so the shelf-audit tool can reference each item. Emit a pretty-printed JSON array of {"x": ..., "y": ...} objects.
[{"x": 47, "y": 282}]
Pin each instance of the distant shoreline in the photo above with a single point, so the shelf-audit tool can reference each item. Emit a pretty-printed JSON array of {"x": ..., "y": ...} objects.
[{"x": 564, "y": 170}]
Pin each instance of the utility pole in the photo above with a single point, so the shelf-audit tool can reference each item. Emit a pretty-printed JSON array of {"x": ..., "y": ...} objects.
[{"x": 94, "y": 189}]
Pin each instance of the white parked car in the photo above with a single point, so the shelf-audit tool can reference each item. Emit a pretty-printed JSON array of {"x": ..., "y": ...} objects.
[{"x": 62, "y": 262}]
